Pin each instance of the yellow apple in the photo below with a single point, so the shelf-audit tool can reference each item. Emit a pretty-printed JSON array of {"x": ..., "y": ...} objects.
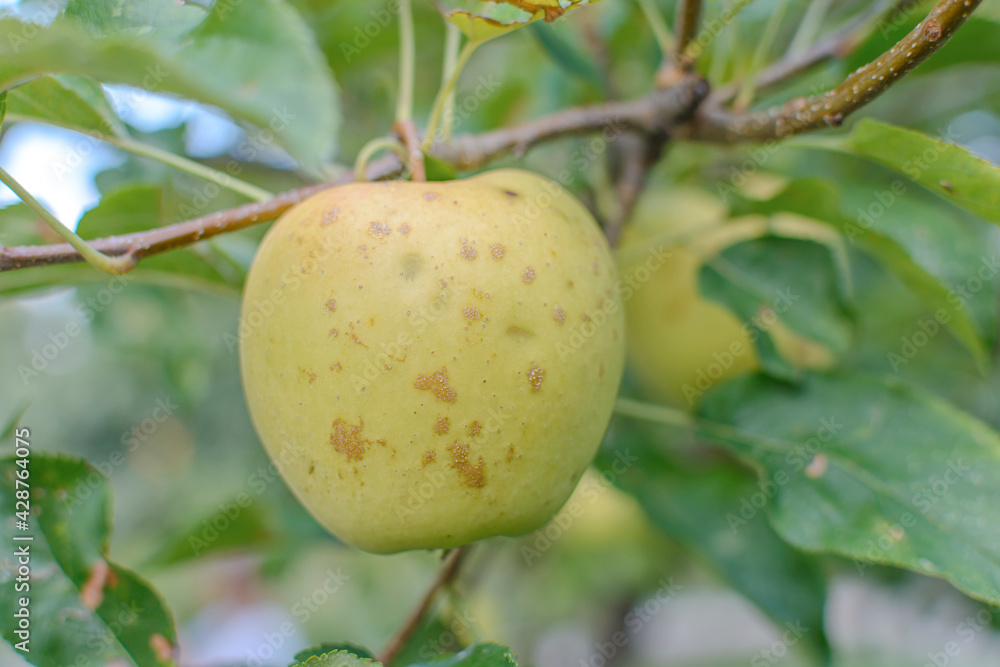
[
  {"x": 430, "y": 364},
  {"x": 680, "y": 343}
]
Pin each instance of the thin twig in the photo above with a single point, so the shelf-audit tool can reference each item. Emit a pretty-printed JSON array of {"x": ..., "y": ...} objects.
[
  {"x": 714, "y": 123},
  {"x": 688, "y": 19},
  {"x": 450, "y": 569},
  {"x": 636, "y": 155}
]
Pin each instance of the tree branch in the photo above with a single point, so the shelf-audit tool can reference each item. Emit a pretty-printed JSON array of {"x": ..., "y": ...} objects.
[
  {"x": 446, "y": 576},
  {"x": 143, "y": 244},
  {"x": 715, "y": 123},
  {"x": 659, "y": 112},
  {"x": 835, "y": 45}
]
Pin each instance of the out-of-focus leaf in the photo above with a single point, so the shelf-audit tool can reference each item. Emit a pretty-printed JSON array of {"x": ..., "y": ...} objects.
[
  {"x": 872, "y": 470},
  {"x": 19, "y": 225},
  {"x": 258, "y": 61},
  {"x": 925, "y": 248},
  {"x": 481, "y": 20},
  {"x": 338, "y": 658},
  {"x": 130, "y": 209},
  {"x": 485, "y": 654},
  {"x": 715, "y": 513},
  {"x": 565, "y": 55},
  {"x": 239, "y": 526},
  {"x": 945, "y": 169},
  {"x": 328, "y": 647},
  {"x": 75, "y": 102},
  {"x": 437, "y": 169},
  {"x": 790, "y": 293},
  {"x": 82, "y": 604}
]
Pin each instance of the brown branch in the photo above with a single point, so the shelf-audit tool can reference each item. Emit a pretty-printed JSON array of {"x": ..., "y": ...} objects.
[
  {"x": 634, "y": 156},
  {"x": 715, "y": 123},
  {"x": 450, "y": 570},
  {"x": 660, "y": 112},
  {"x": 688, "y": 19},
  {"x": 146, "y": 243}
]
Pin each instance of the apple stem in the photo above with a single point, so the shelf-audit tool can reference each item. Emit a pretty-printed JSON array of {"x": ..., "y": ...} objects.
[
  {"x": 445, "y": 91},
  {"x": 372, "y": 147},
  {"x": 449, "y": 571},
  {"x": 453, "y": 41},
  {"x": 407, "y": 58}
]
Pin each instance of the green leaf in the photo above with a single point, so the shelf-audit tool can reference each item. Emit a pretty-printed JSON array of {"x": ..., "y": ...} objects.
[
  {"x": 328, "y": 647},
  {"x": 252, "y": 527},
  {"x": 257, "y": 61},
  {"x": 483, "y": 654},
  {"x": 872, "y": 470},
  {"x": 789, "y": 293},
  {"x": 714, "y": 512},
  {"x": 945, "y": 169},
  {"x": 926, "y": 248},
  {"x": 19, "y": 225},
  {"x": 133, "y": 208},
  {"x": 70, "y": 521},
  {"x": 481, "y": 20},
  {"x": 74, "y": 102},
  {"x": 335, "y": 659},
  {"x": 569, "y": 58},
  {"x": 140, "y": 207},
  {"x": 437, "y": 169}
]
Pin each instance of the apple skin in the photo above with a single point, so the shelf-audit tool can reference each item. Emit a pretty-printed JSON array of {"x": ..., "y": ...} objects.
[
  {"x": 431, "y": 364},
  {"x": 681, "y": 344},
  {"x": 675, "y": 335}
]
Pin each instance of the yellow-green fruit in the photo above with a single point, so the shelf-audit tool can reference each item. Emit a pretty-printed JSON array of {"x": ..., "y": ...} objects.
[
  {"x": 430, "y": 364},
  {"x": 680, "y": 343},
  {"x": 676, "y": 337}
]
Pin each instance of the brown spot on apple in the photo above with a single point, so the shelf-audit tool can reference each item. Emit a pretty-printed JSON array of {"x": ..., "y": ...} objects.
[
  {"x": 437, "y": 383},
  {"x": 346, "y": 439}
]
